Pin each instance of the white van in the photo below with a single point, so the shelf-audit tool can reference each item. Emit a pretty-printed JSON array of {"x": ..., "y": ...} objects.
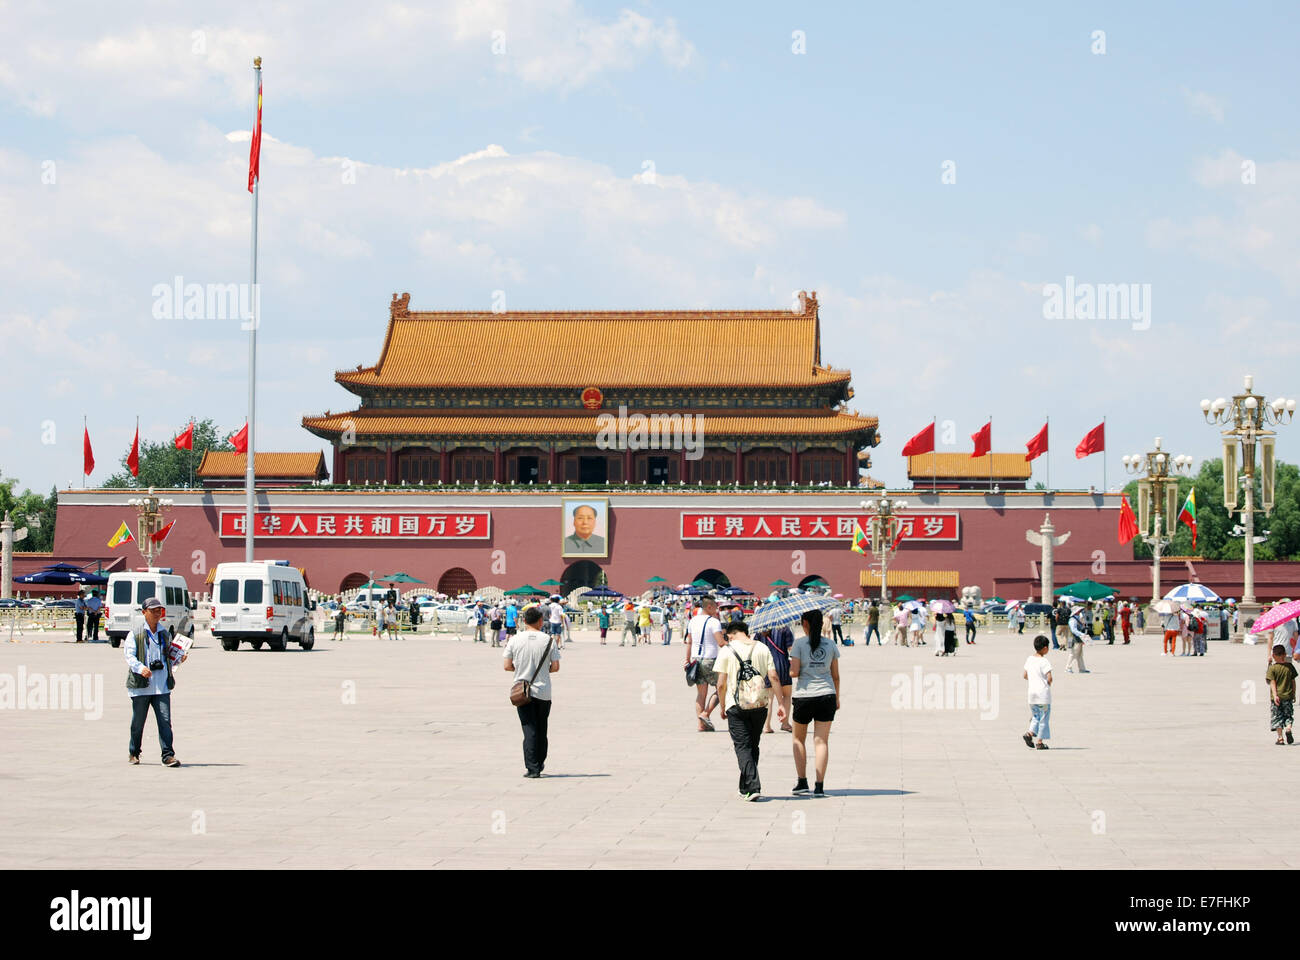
[
  {"x": 263, "y": 602},
  {"x": 126, "y": 591}
]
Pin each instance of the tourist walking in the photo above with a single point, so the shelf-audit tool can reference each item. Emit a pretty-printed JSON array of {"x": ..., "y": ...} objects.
[
  {"x": 703, "y": 641},
  {"x": 969, "y": 615},
  {"x": 151, "y": 661},
  {"x": 496, "y": 623},
  {"x": 815, "y": 668},
  {"x": 779, "y": 640},
  {"x": 381, "y": 614},
  {"x": 1126, "y": 622},
  {"x": 1281, "y": 676},
  {"x": 390, "y": 620},
  {"x": 643, "y": 624},
  {"x": 602, "y": 621},
  {"x": 916, "y": 627},
  {"x": 1170, "y": 622},
  {"x": 873, "y": 623},
  {"x": 511, "y": 617},
  {"x": 836, "y": 619},
  {"x": 532, "y": 656},
  {"x": 79, "y": 612},
  {"x": 480, "y": 620},
  {"x": 949, "y": 635},
  {"x": 746, "y": 680},
  {"x": 1060, "y": 625},
  {"x": 1038, "y": 673},
  {"x": 668, "y": 624},
  {"x": 1079, "y": 635},
  {"x": 629, "y": 624},
  {"x": 340, "y": 618},
  {"x": 94, "y": 608},
  {"x": 556, "y": 611}
]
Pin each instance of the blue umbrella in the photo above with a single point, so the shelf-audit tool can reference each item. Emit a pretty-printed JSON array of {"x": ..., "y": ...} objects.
[
  {"x": 597, "y": 592},
  {"x": 692, "y": 591},
  {"x": 1192, "y": 593},
  {"x": 733, "y": 592},
  {"x": 62, "y": 574},
  {"x": 788, "y": 610}
]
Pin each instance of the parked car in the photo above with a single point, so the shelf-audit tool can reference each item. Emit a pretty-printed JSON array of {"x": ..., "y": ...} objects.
[
  {"x": 445, "y": 613},
  {"x": 62, "y": 604}
]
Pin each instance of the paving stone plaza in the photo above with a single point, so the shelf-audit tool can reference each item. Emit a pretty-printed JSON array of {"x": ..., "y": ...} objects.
[{"x": 371, "y": 754}]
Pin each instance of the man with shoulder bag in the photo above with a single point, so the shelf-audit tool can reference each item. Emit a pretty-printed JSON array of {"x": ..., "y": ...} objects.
[
  {"x": 151, "y": 659},
  {"x": 532, "y": 656}
]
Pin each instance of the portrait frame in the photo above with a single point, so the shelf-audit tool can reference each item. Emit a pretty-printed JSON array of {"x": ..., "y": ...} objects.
[{"x": 599, "y": 537}]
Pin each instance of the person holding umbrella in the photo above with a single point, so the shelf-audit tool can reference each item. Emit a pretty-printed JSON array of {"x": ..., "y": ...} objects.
[{"x": 814, "y": 665}]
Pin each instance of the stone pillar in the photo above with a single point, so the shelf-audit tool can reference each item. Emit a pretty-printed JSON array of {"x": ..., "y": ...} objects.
[
  {"x": 499, "y": 465},
  {"x": 553, "y": 464},
  {"x": 794, "y": 464},
  {"x": 740, "y": 466},
  {"x": 444, "y": 464},
  {"x": 627, "y": 466},
  {"x": 684, "y": 467},
  {"x": 338, "y": 472},
  {"x": 7, "y": 557},
  {"x": 390, "y": 467},
  {"x": 1046, "y": 538}
]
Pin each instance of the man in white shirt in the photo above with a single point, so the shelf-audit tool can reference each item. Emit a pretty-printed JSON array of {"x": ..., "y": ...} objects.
[
  {"x": 837, "y": 634},
  {"x": 556, "y": 612},
  {"x": 1172, "y": 623},
  {"x": 524, "y": 656},
  {"x": 149, "y": 680},
  {"x": 703, "y": 640},
  {"x": 79, "y": 612},
  {"x": 1078, "y": 637}
]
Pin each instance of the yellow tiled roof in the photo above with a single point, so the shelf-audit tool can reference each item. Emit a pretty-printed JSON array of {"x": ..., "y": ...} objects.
[
  {"x": 598, "y": 348},
  {"x": 912, "y": 578},
  {"x": 579, "y": 423},
  {"x": 1006, "y": 466},
  {"x": 227, "y": 463}
]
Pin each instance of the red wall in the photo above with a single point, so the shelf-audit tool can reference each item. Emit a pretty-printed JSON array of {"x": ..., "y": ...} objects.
[{"x": 645, "y": 537}]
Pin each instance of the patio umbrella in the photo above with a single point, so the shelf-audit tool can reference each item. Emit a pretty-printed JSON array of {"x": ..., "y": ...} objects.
[
  {"x": 789, "y": 610},
  {"x": 62, "y": 574},
  {"x": 997, "y": 600},
  {"x": 904, "y": 598},
  {"x": 733, "y": 592},
  {"x": 525, "y": 590},
  {"x": 1193, "y": 593},
  {"x": 1032, "y": 608},
  {"x": 693, "y": 591},
  {"x": 1086, "y": 589},
  {"x": 1278, "y": 615},
  {"x": 778, "y": 583},
  {"x": 597, "y": 593},
  {"x": 701, "y": 582},
  {"x": 552, "y": 583},
  {"x": 656, "y": 580},
  {"x": 400, "y": 577}
]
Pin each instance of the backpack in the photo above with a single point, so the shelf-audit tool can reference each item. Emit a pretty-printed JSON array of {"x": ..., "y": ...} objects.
[{"x": 751, "y": 690}]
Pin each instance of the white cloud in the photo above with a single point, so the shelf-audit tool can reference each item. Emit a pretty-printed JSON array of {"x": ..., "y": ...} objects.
[{"x": 1200, "y": 102}]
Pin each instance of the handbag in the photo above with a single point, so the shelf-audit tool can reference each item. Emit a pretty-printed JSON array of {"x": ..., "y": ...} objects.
[
  {"x": 693, "y": 669},
  {"x": 521, "y": 692}
]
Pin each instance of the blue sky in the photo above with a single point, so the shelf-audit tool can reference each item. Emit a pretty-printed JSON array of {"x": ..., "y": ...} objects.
[{"x": 524, "y": 171}]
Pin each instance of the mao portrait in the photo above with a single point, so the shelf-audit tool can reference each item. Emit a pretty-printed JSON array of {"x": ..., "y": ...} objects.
[{"x": 585, "y": 528}]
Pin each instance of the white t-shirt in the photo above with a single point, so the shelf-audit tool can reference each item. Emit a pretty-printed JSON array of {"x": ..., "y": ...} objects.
[
  {"x": 1039, "y": 669},
  {"x": 557, "y": 613},
  {"x": 1285, "y": 634},
  {"x": 704, "y": 625}
]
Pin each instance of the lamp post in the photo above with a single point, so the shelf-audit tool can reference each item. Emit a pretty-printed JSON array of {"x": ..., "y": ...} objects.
[
  {"x": 149, "y": 520},
  {"x": 1157, "y": 500},
  {"x": 1247, "y": 417},
  {"x": 883, "y": 524}
]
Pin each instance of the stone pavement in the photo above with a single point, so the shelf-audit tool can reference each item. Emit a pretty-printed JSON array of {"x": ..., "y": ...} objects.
[{"x": 406, "y": 753}]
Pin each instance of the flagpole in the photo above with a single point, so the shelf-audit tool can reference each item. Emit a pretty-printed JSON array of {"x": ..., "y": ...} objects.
[
  {"x": 1048, "y": 421},
  {"x": 934, "y": 460},
  {"x": 1103, "y": 457},
  {"x": 85, "y": 432},
  {"x": 990, "y": 452},
  {"x": 252, "y": 339}
]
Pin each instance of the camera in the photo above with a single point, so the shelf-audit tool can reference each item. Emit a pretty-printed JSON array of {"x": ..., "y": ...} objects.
[{"x": 156, "y": 665}]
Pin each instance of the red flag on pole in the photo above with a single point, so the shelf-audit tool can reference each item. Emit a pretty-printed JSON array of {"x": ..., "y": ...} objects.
[
  {"x": 923, "y": 442},
  {"x": 898, "y": 538},
  {"x": 133, "y": 458},
  {"x": 161, "y": 535},
  {"x": 87, "y": 455},
  {"x": 185, "y": 441},
  {"x": 983, "y": 438},
  {"x": 1128, "y": 525},
  {"x": 1038, "y": 445},
  {"x": 240, "y": 439},
  {"x": 255, "y": 150},
  {"x": 1094, "y": 442}
]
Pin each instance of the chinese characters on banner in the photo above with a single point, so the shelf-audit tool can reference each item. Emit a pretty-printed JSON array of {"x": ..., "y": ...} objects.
[
  {"x": 346, "y": 525},
  {"x": 808, "y": 526}
]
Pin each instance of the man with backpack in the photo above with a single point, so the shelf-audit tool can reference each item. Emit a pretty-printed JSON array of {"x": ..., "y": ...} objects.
[{"x": 744, "y": 670}]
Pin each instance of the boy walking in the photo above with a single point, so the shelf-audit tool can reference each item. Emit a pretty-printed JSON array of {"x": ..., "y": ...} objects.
[
  {"x": 742, "y": 666},
  {"x": 1038, "y": 671},
  {"x": 1281, "y": 693}
]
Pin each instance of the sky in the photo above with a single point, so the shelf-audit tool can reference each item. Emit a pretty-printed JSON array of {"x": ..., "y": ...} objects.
[{"x": 930, "y": 169}]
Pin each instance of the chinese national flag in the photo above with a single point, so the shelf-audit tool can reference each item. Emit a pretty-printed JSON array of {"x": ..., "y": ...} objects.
[
  {"x": 1094, "y": 442},
  {"x": 240, "y": 439},
  {"x": 186, "y": 439},
  {"x": 983, "y": 438},
  {"x": 87, "y": 455},
  {"x": 255, "y": 150},
  {"x": 898, "y": 538},
  {"x": 1038, "y": 445},
  {"x": 133, "y": 458},
  {"x": 923, "y": 442},
  {"x": 161, "y": 535},
  {"x": 1128, "y": 525}
]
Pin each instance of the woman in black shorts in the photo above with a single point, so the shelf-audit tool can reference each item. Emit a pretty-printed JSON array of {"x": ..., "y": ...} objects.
[{"x": 815, "y": 668}]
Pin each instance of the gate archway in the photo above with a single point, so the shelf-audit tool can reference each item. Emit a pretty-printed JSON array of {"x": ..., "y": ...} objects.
[
  {"x": 352, "y": 581},
  {"x": 457, "y": 580},
  {"x": 715, "y": 577},
  {"x": 582, "y": 573}
]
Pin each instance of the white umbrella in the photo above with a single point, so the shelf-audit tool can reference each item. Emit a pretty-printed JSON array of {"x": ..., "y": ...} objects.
[{"x": 1192, "y": 593}]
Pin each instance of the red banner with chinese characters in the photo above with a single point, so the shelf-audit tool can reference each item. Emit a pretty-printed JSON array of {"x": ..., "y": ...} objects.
[
  {"x": 737, "y": 525},
  {"x": 350, "y": 525}
]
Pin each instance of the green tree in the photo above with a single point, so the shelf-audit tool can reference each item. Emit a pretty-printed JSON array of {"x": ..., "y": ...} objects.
[
  {"x": 30, "y": 510},
  {"x": 164, "y": 467},
  {"x": 1214, "y": 539}
]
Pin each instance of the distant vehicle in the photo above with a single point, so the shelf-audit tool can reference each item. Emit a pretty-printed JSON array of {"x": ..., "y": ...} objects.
[
  {"x": 446, "y": 613},
  {"x": 126, "y": 591},
  {"x": 62, "y": 604},
  {"x": 994, "y": 609},
  {"x": 11, "y": 603},
  {"x": 263, "y": 602}
]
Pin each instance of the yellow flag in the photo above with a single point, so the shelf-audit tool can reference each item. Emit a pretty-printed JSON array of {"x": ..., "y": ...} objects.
[{"x": 123, "y": 535}]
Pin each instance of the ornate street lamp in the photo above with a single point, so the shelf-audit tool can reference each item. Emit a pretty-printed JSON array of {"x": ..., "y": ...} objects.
[
  {"x": 883, "y": 524},
  {"x": 1247, "y": 416},
  {"x": 1157, "y": 501},
  {"x": 149, "y": 520}
]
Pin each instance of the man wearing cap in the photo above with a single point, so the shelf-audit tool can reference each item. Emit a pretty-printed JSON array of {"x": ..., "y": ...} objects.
[
  {"x": 150, "y": 660},
  {"x": 94, "y": 607},
  {"x": 1079, "y": 635}
]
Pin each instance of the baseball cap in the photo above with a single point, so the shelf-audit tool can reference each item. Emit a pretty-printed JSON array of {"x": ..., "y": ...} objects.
[{"x": 153, "y": 603}]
